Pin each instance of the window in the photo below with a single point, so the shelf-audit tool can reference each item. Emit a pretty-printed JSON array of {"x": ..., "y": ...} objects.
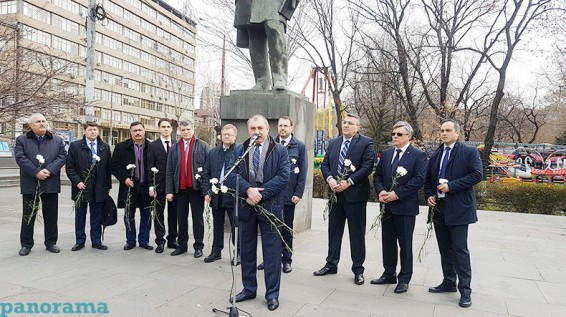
[
  {"x": 132, "y": 68},
  {"x": 112, "y": 43},
  {"x": 8, "y": 7},
  {"x": 112, "y": 61},
  {"x": 132, "y": 51},
  {"x": 37, "y": 36},
  {"x": 130, "y": 17},
  {"x": 163, "y": 20},
  {"x": 113, "y": 26},
  {"x": 131, "y": 34},
  {"x": 37, "y": 13},
  {"x": 114, "y": 9},
  {"x": 148, "y": 26},
  {"x": 149, "y": 10},
  {"x": 68, "y": 5}
]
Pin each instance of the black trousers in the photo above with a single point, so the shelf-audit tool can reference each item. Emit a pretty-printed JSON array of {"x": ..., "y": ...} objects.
[
  {"x": 159, "y": 222},
  {"x": 196, "y": 200},
  {"x": 218, "y": 216},
  {"x": 288, "y": 218},
  {"x": 397, "y": 229},
  {"x": 49, "y": 210},
  {"x": 355, "y": 213},
  {"x": 454, "y": 254}
]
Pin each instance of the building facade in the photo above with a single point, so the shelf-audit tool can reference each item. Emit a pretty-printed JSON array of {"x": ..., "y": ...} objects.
[{"x": 144, "y": 64}]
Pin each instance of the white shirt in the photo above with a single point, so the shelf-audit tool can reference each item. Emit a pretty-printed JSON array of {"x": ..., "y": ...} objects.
[
  {"x": 403, "y": 150},
  {"x": 165, "y": 144},
  {"x": 287, "y": 140}
]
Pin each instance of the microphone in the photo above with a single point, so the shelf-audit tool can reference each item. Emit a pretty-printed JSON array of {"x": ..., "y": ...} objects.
[{"x": 254, "y": 138}]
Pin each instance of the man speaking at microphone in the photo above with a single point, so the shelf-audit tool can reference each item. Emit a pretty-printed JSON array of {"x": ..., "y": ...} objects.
[{"x": 264, "y": 174}]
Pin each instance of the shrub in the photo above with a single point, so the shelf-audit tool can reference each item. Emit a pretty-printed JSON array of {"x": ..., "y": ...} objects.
[{"x": 504, "y": 196}]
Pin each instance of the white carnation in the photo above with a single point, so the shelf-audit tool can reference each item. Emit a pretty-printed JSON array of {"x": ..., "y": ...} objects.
[
  {"x": 352, "y": 168},
  {"x": 401, "y": 171},
  {"x": 130, "y": 166},
  {"x": 214, "y": 189},
  {"x": 214, "y": 181},
  {"x": 154, "y": 170},
  {"x": 442, "y": 181},
  {"x": 199, "y": 169},
  {"x": 297, "y": 170},
  {"x": 96, "y": 157},
  {"x": 294, "y": 161},
  {"x": 347, "y": 162},
  {"x": 197, "y": 176},
  {"x": 40, "y": 158},
  {"x": 224, "y": 189}
]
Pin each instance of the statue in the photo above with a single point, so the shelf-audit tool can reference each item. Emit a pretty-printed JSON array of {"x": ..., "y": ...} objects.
[{"x": 261, "y": 26}]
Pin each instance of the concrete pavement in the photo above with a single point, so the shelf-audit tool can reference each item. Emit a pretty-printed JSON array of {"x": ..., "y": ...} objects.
[{"x": 518, "y": 265}]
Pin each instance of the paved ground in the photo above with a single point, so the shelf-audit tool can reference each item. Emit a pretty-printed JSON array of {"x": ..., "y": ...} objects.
[{"x": 518, "y": 264}]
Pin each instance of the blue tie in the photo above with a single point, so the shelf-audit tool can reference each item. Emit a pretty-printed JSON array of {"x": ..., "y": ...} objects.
[
  {"x": 395, "y": 162},
  {"x": 256, "y": 158},
  {"x": 92, "y": 148},
  {"x": 343, "y": 153},
  {"x": 442, "y": 173}
]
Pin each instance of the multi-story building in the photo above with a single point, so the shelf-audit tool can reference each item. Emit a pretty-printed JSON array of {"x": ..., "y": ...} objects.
[{"x": 144, "y": 65}]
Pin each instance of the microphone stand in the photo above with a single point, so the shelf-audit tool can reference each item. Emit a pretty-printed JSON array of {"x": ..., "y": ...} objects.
[{"x": 233, "y": 310}]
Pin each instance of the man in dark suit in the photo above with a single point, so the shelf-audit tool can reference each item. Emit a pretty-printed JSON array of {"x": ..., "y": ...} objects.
[
  {"x": 45, "y": 171},
  {"x": 183, "y": 182},
  {"x": 221, "y": 204},
  {"x": 264, "y": 173},
  {"x": 295, "y": 187},
  {"x": 133, "y": 151},
  {"x": 89, "y": 154},
  {"x": 453, "y": 171},
  {"x": 402, "y": 204},
  {"x": 346, "y": 166},
  {"x": 158, "y": 151}
]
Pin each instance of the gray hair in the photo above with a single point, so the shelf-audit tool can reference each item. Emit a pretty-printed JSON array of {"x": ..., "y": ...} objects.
[
  {"x": 34, "y": 116},
  {"x": 185, "y": 123},
  {"x": 456, "y": 124},
  {"x": 258, "y": 117},
  {"x": 404, "y": 124}
]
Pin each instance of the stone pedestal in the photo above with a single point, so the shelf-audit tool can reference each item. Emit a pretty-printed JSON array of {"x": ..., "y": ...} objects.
[{"x": 242, "y": 104}]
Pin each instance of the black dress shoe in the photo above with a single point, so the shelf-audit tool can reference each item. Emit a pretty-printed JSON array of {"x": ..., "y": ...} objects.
[
  {"x": 272, "y": 304},
  {"x": 401, "y": 288},
  {"x": 178, "y": 251},
  {"x": 384, "y": 280},
  {"x": 198, "y": 254},
  {"x": 443, "y": 289},
  {"x": 146, "y": 246},
  {"x": 465, "y": 300},
  {"x": 359, "y": 279},
  {"x": 53, "y": 249},
  {"x": 260, "y": 266},
  {"x": 324, "y": 271},
  {"x": 159, "y": 248},
  {"x": 99, "y": 246},
  {"x": 172, "y": 245},
  {"x": 24, "y": 251},
  {"x": 287, "y": 268},
  {"x": 240, "y": 297},
  {"x": 77, "y": 247},
  {"x": 212, "y": 257},
  {"x": 129, "y": 246}
]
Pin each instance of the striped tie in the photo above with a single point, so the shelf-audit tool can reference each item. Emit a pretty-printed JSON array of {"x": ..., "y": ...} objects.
[
  {"x": 256, "y": 158},
  {"x": 343, "y": 153}
]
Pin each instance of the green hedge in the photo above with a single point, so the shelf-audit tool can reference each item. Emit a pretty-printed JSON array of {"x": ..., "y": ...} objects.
[{"x": 514, "y": 197}]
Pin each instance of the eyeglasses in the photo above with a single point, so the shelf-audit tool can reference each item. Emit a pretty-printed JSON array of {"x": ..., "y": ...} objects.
[{"x": 399, "y": 134}]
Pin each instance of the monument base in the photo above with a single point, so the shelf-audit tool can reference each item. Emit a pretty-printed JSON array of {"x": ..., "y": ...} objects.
[{"x": 242, "y": 104}]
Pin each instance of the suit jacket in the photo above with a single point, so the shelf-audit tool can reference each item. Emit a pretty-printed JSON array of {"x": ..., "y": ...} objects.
[
  {"x": 275, "y": 176},
  {"x": 362, "y": 155},
  {"x": 79, "y": 162},
  {"x": 248, "y": 12},
  {"x": 125, "y": 154},
  {"x": 463, "y": 171},
  {"x": 217, "y": 158},
  {"x": 157, "y": 157},
  {"x": 414, "y": 161},
  {"x": 173, "y": 171},
  {"x": 52, "y": 149},
  {"x": 297, "y": 160}
]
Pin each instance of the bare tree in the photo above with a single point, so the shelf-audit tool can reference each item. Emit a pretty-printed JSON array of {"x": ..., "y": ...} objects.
[{"x": 327, "y": 34}]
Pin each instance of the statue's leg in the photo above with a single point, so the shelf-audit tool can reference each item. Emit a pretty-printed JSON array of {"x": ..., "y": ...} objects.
[
  {"x": 258, "y": 56},
  {"x": 277, "y": 42}
]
